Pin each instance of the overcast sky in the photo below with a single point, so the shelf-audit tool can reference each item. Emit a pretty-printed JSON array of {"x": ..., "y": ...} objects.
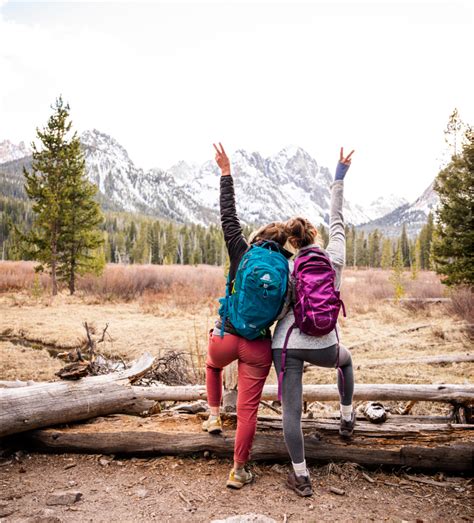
[{"x": 168, "y": 79}]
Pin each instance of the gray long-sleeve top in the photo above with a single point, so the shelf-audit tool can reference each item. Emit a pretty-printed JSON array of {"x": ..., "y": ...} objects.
[{"x": 336, "y": 250}]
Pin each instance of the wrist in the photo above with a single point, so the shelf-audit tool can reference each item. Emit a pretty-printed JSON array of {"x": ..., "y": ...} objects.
[
  {"x": 341, "y": 171},
  {"x": 225, "y": 172}
]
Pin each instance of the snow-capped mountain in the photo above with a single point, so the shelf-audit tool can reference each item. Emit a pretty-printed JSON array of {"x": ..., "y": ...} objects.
[
  {"x": 288, "y": 183},
  {"x": 384, "y": 205},
  {"x": 10, "y": 151},
  {"x": 413, "y": 215}
]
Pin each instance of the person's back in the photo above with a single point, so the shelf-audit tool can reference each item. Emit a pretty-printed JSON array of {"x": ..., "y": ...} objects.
[
  {"x": 324, "y": 351},
  {"x": 227, "y": 345}
]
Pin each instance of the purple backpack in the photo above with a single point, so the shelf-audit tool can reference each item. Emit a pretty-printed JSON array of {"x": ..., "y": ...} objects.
[{"x": 317, "y": 301}]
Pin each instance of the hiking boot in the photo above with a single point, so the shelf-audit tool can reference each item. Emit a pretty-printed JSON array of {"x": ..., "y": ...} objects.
[
  {"x": 213, "y": 426},
  {"x": 239, "y": 479},
  {"x": 347, "y": 427},
  {"x": 300, "y": 484}
]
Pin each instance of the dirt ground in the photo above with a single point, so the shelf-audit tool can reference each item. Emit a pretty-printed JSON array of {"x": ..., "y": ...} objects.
[{"x": 174, "y": 489}]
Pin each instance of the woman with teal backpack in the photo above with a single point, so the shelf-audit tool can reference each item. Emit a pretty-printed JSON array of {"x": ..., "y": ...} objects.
[{"x": 256, "y": 288}]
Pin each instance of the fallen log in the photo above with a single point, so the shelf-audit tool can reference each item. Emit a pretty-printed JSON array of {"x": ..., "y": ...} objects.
[
  {"x": 442, "y": 358},
  {"x": 5, "y": 384},
  {"x": 362, "y": 392},
  {"x": 46, "y": 404},
  {"x": 450, "y": 448}
]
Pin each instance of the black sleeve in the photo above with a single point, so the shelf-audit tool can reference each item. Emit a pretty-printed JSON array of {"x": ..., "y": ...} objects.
[{"x": 234, "y": 239}]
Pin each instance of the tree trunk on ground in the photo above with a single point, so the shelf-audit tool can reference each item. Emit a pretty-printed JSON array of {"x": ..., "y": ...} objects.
[
  {"x": 47, "y": 404},
  {"x": 362, "y": 392},
  {"x": 431, "y": 446}
]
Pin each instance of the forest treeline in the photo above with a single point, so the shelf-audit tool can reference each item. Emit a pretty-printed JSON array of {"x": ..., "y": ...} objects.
[{"x": 141, "y": 239}]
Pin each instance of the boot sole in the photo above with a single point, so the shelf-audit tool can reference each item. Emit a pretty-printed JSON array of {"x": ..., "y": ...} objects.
[
  {"x": 305, "y": 494},
  {"x": 214, "y": 431},
  {"x": 346, "y": 433},
  {"x": 237, "y": 484}
]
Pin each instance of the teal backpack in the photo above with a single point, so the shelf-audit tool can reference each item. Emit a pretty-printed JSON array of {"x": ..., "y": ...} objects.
[{"x": 258, "y": 292}]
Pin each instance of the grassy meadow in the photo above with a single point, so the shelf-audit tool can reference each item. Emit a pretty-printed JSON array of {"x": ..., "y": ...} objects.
[{"x": 160, "y": 308}]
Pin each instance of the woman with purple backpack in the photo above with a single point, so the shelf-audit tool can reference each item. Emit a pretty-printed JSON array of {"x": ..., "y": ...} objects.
[{"x": 292, "y": 347}]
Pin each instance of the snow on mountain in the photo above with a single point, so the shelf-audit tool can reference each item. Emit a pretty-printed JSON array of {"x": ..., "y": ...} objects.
[
  {"x": 384, "y": 205},
  {"x": 10, "y": 151},
  {"x": 267, "y": 189},
  {"x": 414, "y": 215},
  {"x": 288, "y": 183}
]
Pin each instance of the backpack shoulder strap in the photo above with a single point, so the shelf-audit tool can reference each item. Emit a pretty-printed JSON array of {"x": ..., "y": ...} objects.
[{"x": 283, "y": 360}]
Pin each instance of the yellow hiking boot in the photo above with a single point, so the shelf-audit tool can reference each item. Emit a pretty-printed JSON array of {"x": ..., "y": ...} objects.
[
  {"x": 239, "y": 479},
  {"x": 213, "y": 425}
]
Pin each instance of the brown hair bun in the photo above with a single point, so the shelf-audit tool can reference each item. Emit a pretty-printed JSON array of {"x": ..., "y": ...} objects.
[
  {"x": 275, "y": 231},
  {"x": 301, "y": 232}
]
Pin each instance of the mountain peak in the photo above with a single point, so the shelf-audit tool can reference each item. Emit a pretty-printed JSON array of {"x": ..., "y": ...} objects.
[
  {"x": 267, "y": 188},
  {"x": 10, "y": 151}
]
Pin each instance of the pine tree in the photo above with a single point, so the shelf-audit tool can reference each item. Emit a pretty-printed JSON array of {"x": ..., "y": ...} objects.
[
  {"x": 362, "y": 251},
  {"x": 323, "y": 236},
  {"x": 405, "y": 247},
  {"x": 387, "y": 254},
  {"x": 374, "y": 249},
  {"x": 81, "y": 240},
  {"x": 349, "y": 246},
  {"x": 397, "y": 273},
  {"x": 416, "y": 261},
  {"x": 426, "y": 237},
  {"x": 456, "y": 133},
  {"x": 65, "y": 229},
  {"x": 453, "y": 243}
]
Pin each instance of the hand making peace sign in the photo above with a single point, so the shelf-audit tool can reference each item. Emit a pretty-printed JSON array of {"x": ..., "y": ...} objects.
[
  {"x": 347, "y": 160},
  {"x": 222, "y": 160}
]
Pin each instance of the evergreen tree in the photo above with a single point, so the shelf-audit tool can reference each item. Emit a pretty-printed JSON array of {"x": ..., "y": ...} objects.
[
  {"x": 397, "y": 273},
  {"x": 374, "y": 249},
  {"x": 453, "y": 243},
  {"x": 323, "y": 236},
  {"x": 387, "y": 255},
  {"x": 405, "y": 247},
  {"x": 456, "y": 133},
  {"x": 81, "y": 240},
  {"x": 426, "y": 237},
  {"x": 140, "y": 251},
  {"x": 65, "y": 229},
  {"x": 361, "y": 259},
  {"x": 349, "y": 246},
  {"x": 416, "y": 261}
]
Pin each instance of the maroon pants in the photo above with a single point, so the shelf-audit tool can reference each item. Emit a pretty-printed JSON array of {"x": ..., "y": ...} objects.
[{"x": 255, "y": 359}]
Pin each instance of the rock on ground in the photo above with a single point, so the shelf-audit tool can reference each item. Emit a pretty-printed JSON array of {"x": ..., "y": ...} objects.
[{"x": 64, "y": 497}]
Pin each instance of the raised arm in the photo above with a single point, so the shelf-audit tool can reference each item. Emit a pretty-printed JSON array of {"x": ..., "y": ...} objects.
[
  {"x": 336, "y": 247},
  {"x": 234, "y": 239}
]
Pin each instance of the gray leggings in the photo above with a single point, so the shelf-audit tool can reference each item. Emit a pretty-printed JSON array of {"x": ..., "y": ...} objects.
[{"x": 292, "y": 391}]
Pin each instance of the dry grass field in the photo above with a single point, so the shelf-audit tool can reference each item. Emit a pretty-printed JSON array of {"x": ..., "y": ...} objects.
[
  {"x": 156, "y": 309},
  {"x": 160, "y": 308}
]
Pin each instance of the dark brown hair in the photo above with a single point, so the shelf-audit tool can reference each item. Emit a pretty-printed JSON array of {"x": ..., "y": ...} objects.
[
  {"x": 301, "y": 232},
  {"x": 275, "y": 231}
]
